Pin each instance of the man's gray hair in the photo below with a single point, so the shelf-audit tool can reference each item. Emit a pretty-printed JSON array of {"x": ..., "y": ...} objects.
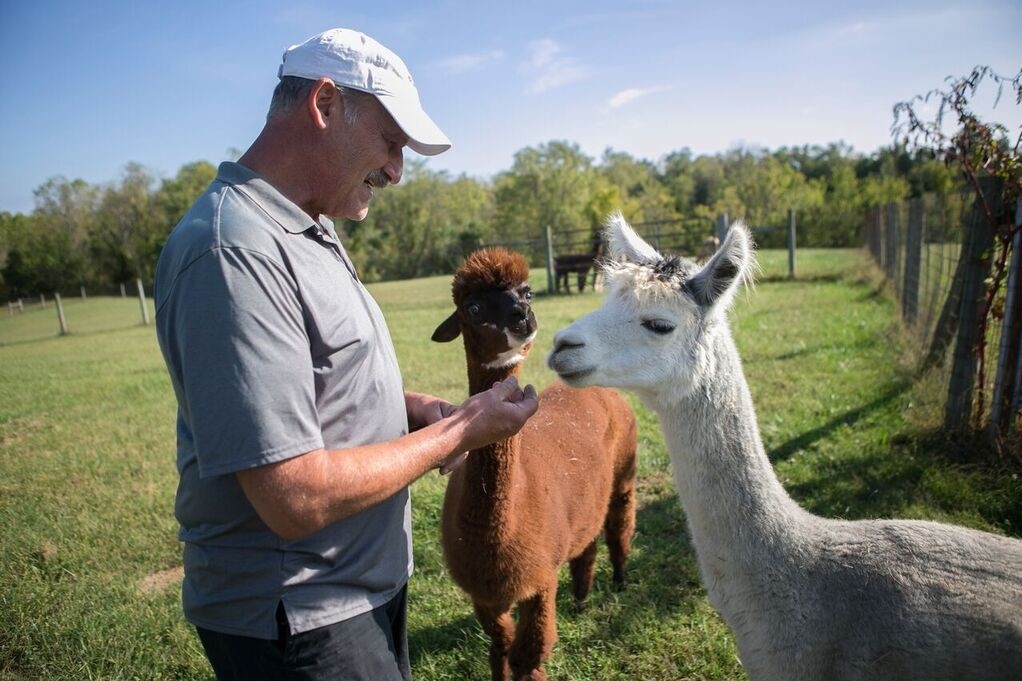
[{"x": 291, "y": 91}]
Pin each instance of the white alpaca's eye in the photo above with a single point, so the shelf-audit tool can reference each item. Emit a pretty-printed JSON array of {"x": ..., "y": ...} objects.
[{"x": 660, "y": 326}]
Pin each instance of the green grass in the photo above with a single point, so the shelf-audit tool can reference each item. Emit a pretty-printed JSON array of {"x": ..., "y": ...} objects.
[{"x": 89, "y": 587}]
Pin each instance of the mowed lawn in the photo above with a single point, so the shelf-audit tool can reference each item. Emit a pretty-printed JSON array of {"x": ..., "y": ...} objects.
[{"x": 89, "y": 566}]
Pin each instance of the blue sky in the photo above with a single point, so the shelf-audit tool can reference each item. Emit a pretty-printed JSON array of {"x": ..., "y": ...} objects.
[{"x": 88, "y": 87}]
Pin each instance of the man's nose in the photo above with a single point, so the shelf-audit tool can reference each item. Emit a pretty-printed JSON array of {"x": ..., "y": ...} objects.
[{"x": 395, "y": 165}]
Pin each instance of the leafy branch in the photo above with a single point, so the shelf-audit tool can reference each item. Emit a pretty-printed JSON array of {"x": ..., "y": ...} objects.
[{"x": 980, "y": 151}]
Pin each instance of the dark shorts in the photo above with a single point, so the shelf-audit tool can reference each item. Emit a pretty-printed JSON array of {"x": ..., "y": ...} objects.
[{"x": 368, "y": 647}]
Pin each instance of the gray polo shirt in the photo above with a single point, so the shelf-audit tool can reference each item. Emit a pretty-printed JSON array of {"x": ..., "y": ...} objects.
[{"x": 274, "y": 349}]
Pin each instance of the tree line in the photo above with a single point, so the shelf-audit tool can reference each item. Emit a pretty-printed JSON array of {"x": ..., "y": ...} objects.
[{"x": 102, "y": 235}]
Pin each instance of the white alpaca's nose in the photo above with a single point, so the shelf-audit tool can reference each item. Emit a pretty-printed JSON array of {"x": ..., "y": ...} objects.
[{"x": 564, "y": 341}]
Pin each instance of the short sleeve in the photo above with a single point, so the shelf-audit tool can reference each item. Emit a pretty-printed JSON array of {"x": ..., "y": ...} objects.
[{"x": 244, "y": 361}]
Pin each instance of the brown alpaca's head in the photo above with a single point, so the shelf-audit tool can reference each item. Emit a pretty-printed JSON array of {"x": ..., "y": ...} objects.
[{"x": 492, "y": 309}]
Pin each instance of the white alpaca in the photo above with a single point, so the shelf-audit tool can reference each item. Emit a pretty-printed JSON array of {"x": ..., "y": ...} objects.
[{"x": 807, "y": 598}]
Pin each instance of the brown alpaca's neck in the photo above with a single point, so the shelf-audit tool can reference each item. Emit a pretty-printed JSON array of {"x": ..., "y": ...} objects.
[
  {"x": 481, "y": 379},
  {"x": 486, "y": 480}
]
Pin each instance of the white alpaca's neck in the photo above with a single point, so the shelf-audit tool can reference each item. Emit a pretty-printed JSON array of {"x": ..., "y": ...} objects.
[{"x": 741, "y": 518}]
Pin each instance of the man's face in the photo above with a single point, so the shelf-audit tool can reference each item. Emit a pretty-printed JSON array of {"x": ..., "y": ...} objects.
[{"x": 369, "y": 156}]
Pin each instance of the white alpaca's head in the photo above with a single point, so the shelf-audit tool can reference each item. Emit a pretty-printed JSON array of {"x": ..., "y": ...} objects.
[{"x": 660, "y": 316}]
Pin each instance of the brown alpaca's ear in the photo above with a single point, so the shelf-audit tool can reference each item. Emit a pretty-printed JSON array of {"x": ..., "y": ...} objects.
[{"x": 448, "y": 330}]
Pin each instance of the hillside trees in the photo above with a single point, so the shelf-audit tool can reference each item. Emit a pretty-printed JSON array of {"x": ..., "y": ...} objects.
[{"x": 101, "y": 235}]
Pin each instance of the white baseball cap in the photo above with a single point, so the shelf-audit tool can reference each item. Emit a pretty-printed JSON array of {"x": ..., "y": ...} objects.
[{"x": 353, "y": 59}]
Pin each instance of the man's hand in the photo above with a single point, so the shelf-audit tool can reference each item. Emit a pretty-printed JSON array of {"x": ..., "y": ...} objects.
[{"x": 493, "y": 415}]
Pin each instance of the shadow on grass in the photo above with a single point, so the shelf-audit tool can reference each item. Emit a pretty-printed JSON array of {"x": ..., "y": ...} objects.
[
  {"x": 910, "y": 474},
  {"x": 56, "y": 336},
  {"x": 849, "y": 418}
]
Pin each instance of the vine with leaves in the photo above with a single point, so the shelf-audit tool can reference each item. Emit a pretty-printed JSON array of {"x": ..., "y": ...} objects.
[{"x": 978, "y": 150}]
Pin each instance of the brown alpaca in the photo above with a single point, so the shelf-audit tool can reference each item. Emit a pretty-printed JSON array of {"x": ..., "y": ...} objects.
[{"x": 519, "y": 509}]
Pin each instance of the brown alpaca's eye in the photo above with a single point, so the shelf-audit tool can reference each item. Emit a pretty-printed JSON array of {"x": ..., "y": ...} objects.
[
  {"x": 474, "y": 309},
  {"x": 659, "y": 326}
]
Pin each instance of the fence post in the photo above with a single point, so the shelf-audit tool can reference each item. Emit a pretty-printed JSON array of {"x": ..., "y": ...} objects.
[
  {"x": 60, "y": 315},
  {"x": 979, "y": 242},
  {"x": 550, "y": 283},
  {"x": 791, "y": 244},
  {"x": 82, "y": 287},
  {"x": 913, "y": 260},
  {"x": 42, "y": 300},
  {"x": 1009, "y": 366},
  {"x": 891, "y": 249},
  {"x": 123, "y": 292},
  {"x": 141, "y": 302}
]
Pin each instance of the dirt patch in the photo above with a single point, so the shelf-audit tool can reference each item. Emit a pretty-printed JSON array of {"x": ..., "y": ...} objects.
[{"x": 158, "y": 582}]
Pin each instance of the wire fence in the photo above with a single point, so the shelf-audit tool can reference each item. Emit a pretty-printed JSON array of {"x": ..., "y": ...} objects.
[
  {"x": 57, "y": 314},
  {"x": 937, "y": 253}
]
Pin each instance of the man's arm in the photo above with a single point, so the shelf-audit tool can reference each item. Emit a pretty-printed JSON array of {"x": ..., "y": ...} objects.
[{"x": 303, "y": 494}]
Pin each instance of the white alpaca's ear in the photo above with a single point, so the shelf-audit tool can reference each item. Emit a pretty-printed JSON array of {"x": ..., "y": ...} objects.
[
  {"x": 625, "y": 244},
  {"x": 717, "y": 282}
]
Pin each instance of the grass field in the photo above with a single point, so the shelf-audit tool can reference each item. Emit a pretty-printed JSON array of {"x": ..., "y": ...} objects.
[{"x": 89, "y": 568}]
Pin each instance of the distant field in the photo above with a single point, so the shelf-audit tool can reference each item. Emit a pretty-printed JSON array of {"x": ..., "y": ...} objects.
[{"x": 89, "y": 581}]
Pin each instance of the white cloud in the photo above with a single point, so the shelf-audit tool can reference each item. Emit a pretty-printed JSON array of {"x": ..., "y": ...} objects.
[
  {"x": 549, "y": 69},
  {"x": 469, "y": 62},
  {"x": 631, "y": 94}
]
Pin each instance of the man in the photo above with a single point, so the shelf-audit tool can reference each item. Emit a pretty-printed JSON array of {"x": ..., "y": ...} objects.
[{"x": 296, "y": 440}]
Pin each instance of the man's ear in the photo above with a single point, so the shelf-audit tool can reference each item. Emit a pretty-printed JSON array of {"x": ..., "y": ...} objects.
[
  {"x": 448, "y": 330},
  {"x": 324, "y": 95}
]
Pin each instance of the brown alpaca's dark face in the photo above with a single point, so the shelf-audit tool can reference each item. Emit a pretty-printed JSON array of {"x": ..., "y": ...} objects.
[{"x": 498, "y": 325}]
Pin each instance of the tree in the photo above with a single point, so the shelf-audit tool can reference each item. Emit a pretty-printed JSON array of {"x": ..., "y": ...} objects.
[
  {"x": 64, "y": 216},
  {"x": 128, "y": 227},
  {"x": 548, "y": 186}
]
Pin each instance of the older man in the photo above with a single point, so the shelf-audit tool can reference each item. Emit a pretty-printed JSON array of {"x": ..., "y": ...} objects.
[{"x": 296, "y": 439}]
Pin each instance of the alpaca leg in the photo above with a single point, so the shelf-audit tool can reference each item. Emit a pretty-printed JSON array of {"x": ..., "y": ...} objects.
[
  {"x": 499, "y": 626},
  {"x": 583, "y": 567},
  {"x": 619, "y": 527},
  {"x": 536, "y": 635}
]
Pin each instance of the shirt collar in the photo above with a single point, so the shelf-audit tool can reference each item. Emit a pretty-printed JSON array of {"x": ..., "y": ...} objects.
[{"x": 284, "y": 211}]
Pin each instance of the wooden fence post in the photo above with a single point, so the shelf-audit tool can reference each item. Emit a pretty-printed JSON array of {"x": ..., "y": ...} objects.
[
  {"x": 791, "y": 244},
  {"x": 913, "y": 261},
  {"x": 60, "y": 315},
  {"x": 550, "y": 283},
  {"x": 891, "y": 243},
  {"x": 142, "y": 303},
  {"x": 979, "y": 242},
  {"x": 1007, "y": 397}
]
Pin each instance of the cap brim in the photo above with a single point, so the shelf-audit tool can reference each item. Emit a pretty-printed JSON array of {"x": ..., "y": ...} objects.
[{"x": 424, "y": 136}]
